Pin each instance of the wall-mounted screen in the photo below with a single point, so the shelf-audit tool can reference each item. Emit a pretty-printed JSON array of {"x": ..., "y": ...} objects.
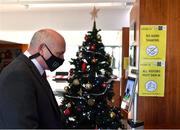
[{"x": 128, "y": 94}]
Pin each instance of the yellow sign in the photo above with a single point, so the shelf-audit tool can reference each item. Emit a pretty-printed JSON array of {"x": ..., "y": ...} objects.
[
  {"x": 152, "y": 60},
  {"x": 126, "y": 63}
]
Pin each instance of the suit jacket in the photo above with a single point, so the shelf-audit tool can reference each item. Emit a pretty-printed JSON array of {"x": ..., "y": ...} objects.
[{"x": 26, "y": 99}]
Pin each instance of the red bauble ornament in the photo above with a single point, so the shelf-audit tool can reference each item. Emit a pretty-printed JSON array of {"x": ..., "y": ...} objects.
[
  {"x": 71, "y": 72},
  {"x": 78, "y": 109},
  {"x": 84, "y": 67},
  {"x": 67, "y": 112},
  {"x": 104, "y": 85},
  {"x": 94, "y": 60},
  {"x": 86, "y": 37},
  {"x": 92, "y": 47}
]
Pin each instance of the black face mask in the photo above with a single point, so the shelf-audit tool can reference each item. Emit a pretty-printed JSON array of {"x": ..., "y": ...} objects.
[{"x": 53, "y": 62}]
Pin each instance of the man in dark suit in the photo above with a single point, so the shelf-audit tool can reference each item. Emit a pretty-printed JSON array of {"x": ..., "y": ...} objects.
[{"x": 26, "y": 98}]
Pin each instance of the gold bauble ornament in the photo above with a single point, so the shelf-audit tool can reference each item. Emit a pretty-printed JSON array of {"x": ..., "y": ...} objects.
[
  {"x": 68, "y": 105},
  {"x": 94, "y": 60},
  {"x": 88, "y": 86},
  {"x": 80, "y": 55},
  {"x": 99, "y": 36},
  {"x": 80, "y": 92},
  {"x": 66, "y": 88},
  {"x": 102, "y": 71},
  {"x": 76, "y": 82},
  {"x": 91, "y": 102},
  {"x": 112, "y": 115}
]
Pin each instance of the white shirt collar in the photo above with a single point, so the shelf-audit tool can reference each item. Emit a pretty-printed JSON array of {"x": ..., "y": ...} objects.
[{"x": 36, "y": 63}]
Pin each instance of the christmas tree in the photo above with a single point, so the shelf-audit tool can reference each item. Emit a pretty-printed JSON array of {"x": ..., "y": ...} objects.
[{"x": 87, "y": 99}]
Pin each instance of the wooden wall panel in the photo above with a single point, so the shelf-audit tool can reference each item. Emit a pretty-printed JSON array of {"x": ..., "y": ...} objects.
[
  {"x": 173, "y": 63},
  {"x": 6, "y": 56},
  {"x": 116, "y": 90},
  {"x": 125, "y": 53},
  {"x": 134, "y": 17},
  {"x": 162, "y": 112},
  {"x": 153, "y": 12},
  {"x": 7, "y": 44}
]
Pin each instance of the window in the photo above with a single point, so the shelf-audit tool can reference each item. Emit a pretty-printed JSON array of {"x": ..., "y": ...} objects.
[{"x": 115, "y": 53}]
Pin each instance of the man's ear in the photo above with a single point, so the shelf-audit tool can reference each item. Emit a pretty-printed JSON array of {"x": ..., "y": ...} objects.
[{"x": 41, "y": 49}]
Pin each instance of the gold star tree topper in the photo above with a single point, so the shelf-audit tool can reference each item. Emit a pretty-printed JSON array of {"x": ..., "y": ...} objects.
[{"x": 94, "y": 13}]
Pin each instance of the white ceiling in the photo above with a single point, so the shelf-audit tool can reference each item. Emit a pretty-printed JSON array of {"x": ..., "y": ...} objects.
[{"x": 23, "y": 5}]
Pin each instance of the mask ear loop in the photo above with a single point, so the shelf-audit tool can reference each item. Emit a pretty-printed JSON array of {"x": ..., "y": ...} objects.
[
  {"x": 37, "y": 54},
  {"x": 34, "y": 56},
  {"x": 48, "y": 49}
]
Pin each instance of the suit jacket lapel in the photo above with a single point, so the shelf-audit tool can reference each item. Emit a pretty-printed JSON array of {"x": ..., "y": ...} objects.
[
  {"x": 43, "y": 81},
  {"x": 50, "y": 94}
]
